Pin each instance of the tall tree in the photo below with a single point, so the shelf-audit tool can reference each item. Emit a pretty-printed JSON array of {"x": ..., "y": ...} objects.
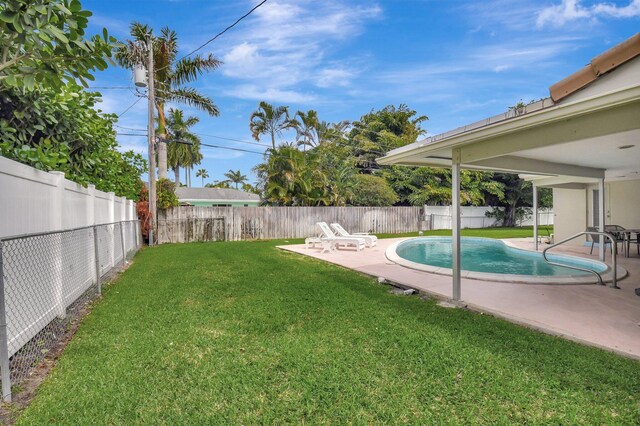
[
  {"x": 235, "y": 177},
  {"x": 183, "y": 147},
  {"x": 270, "y": 120},
  {"x": 306, "y": 126},
  {"x": 202, "y": 173},
  {"x": 170, "y": 75},
  {"x": 289, "y": 178},
  {"x": 381, "y": 131}
]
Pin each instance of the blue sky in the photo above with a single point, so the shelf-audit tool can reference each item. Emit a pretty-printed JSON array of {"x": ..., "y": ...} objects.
[{"x": 454, "y": 61}]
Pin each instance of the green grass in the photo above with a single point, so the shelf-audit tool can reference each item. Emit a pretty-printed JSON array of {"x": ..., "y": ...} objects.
[
  {"x": 520, "y": 232},
  {"x": 243, "y": 333}
]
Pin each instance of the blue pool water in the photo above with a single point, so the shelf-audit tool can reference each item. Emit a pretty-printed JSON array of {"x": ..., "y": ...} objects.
[{"x": 491, "y": 256}]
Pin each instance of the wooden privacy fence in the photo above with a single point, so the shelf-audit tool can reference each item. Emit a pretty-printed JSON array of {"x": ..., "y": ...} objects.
[{"x": 188, "y": 223}]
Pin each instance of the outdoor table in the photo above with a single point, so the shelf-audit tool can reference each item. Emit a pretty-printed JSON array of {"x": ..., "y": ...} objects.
[{"x": 626, "y": 244}]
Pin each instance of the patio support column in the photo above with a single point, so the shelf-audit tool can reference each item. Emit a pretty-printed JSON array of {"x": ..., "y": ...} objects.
[
  {"x": 455, "y": 222},
  {"x": 535, "y": 216},
  {"x": 601, "y": 249}
]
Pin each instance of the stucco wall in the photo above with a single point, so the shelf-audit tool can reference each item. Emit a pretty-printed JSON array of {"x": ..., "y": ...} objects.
[
  {"x": 623, "y": 203},
  {"x": 573, "y": 209},
  {"x": 570, "y": 213}
]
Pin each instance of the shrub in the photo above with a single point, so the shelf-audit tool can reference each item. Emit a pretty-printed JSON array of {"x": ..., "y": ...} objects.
[{"x": 166, "y": 194}]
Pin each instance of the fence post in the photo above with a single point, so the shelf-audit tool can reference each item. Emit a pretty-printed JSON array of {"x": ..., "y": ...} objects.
[
  {"x": 58, "y": 223},
  {"x": 124, "y": 251},
  {"x": 5, "y": 371},
  {"x": 136, "y": 227},
  {"x": 96, "y": 251}
]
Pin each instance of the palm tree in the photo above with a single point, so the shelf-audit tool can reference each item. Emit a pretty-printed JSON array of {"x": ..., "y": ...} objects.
[
  {"x": 288, "y": 178},
  {"x": 270, "y": 120},
  {"x": 183, "y": 149},
  {"x": 331, "y": 132},
  {"x": 170, "y": 76},
  {"x": 235, "y": 177},
  {"x": 202, "y": 173},
  {"x": 307, "y": 128}
]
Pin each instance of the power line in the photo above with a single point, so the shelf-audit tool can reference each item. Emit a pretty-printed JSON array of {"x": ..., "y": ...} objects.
[
  {"x": 219, "y": 34},
  {"x": 232, "y": 140},
  {"x": 130, "y": 106},
  {"x": 266, "y": 154},
  {"x": 130, "y": 128},
  {"x": 109, "y": 87},
  {"x": 226, "y": 29},
  {"x": 130, "y": 134}
]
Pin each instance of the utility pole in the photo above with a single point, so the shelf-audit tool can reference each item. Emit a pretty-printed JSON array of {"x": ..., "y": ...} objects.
[{"x": 152, "y": 137}]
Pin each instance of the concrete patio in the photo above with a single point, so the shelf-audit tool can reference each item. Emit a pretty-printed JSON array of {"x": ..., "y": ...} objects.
[{"x": 591, "y": 314}]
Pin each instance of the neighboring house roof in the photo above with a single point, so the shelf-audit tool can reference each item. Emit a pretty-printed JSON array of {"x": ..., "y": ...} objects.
[{"x": 215, "y": 194}]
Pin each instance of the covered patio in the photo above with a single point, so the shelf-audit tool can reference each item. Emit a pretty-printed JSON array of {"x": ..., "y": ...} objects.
[{"x": 583, "y": 141}]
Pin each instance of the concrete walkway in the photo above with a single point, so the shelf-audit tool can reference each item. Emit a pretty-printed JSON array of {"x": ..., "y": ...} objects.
[{"x": 591, "y": 314}]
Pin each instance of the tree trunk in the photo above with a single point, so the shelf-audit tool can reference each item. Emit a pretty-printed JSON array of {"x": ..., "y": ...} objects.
[
  {"x": 510, "y": 215},
  {"x": 162, "y": 157},
  {"x": 176, "y": 172},
  {"x": 162, "y": 142}
]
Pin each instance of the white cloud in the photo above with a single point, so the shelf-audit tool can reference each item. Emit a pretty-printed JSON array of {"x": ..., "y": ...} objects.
[
  {"x": 571, "y": 10},
  {"x": 331, "y": 77},
  {"x": 288, "y": 45},
  {"x": 269, "y": 94}
]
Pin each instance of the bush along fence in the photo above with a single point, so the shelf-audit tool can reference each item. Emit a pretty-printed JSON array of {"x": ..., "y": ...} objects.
[
  {"x": 46, "y": 281},
  {"x": 187, "y": 223}
]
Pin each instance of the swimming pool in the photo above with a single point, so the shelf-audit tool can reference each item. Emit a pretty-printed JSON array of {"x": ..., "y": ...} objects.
[{"x": 485, "y": 258}]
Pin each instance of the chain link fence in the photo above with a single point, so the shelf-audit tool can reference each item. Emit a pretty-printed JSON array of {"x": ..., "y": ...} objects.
[{"x": 47, "y": 281}]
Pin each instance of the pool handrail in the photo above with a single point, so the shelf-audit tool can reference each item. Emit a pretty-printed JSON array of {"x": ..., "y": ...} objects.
[{"x": 614, "y": 250}]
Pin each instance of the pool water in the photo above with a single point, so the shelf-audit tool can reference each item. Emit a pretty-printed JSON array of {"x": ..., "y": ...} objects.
[{"x": 491, "y": 256}]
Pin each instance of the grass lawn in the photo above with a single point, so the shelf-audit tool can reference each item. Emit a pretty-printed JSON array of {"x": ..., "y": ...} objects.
[
  {"x": 244, "y": 333},
  {"x": 521, "y": 232}
]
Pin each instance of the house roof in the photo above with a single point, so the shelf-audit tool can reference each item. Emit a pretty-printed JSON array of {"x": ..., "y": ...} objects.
[
  {"x": 580, "y": 134},
  {"x": 600, "y": 65},
  {"x": 214, "y": 194}
]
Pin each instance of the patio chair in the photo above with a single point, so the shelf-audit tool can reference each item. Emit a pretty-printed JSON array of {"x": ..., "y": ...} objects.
[
  {"x": 616, "y": 231},
  {"x": 636, "y": 242},
  {"x": 337, "y": 241},
  {"x": 595, "y": 239},
  {"x": 370, "y": 240}
]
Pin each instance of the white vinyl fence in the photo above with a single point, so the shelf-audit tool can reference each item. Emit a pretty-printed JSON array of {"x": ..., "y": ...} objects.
[
  {"x": 439, "y": 217},
  {"x": 57, "y": 241}
]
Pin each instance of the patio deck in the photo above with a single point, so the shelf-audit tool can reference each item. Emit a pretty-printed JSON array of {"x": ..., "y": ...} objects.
[{"x": 591, "y": 314}]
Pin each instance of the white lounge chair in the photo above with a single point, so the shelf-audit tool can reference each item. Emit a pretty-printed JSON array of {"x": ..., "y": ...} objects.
[
  {"x": 336, "y": 241},
  {"x": 370, "y": 240}
]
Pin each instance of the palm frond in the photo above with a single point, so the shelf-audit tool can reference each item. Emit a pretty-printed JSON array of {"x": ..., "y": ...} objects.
[
  {"x": 188, "y": 69},
  {"x": 191, "y": 97}
]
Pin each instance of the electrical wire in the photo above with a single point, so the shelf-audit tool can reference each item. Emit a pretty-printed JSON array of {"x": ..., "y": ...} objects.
[
  {"x": 219, "y": 34},
  {"x": 130, "y": 134},
  {"x": 130, "y": 106},
  {"x": 225, "y": 30},
  {"x": 109, "y": 87},
  {"x": 130, "y": 128}
]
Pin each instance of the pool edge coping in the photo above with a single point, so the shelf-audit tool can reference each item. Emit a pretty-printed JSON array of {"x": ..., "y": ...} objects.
[{"x": 390, "y": 254}]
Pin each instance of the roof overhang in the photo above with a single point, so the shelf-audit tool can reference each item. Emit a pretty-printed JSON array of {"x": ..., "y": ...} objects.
[{"x": 578, "y": 139}]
